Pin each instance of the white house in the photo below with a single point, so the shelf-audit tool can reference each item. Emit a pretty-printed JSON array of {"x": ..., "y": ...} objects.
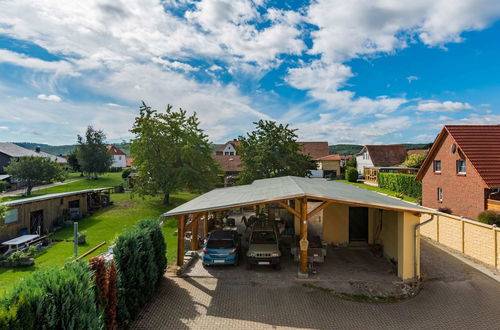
[
  {"x": 380, "y": 156},
  {"x": 119, "y": 157}
]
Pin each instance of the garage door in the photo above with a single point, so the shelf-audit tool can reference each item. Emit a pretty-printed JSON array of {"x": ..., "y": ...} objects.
[{"x": 358, "y": 224}]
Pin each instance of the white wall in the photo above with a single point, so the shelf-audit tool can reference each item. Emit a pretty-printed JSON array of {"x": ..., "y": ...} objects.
[
  {"x": 228, "y": 149},
  {"x": 362, "y": 162},
  {"x": 119, "y": 161}
]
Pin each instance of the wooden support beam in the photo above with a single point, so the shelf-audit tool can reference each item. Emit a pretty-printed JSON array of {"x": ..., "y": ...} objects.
[
  {"x": 303, "y": 234},
  {"x": 205, "y": 225},
  {"x": 288, "y": 208},
  {"x": 318, "y": 209},
  {"x": 194, "y": 233},
  {"x": 181, "y": 223}
]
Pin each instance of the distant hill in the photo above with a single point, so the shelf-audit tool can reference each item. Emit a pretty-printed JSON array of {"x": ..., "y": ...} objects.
[
  {"x": 352, "y": 149},
  {"x": 64, "y": 149}
]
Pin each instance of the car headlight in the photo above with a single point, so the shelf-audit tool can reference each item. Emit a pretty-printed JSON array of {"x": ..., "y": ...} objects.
[{"x": 276, "y": 254}]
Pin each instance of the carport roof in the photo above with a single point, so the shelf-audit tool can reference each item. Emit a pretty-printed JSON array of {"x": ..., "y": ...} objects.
[{"x": 290, "y": 187}]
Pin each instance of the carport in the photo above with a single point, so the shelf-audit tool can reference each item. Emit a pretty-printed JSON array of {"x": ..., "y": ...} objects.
[{"x": 343, "y": 215}]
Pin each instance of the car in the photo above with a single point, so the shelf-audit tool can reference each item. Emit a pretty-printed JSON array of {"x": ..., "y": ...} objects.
[
  {"x": 263, "y": 245},
  {"x": 222, "y": 248}
]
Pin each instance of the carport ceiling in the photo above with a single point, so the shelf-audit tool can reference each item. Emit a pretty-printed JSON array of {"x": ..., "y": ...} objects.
[{"x": 290, "y": 187}]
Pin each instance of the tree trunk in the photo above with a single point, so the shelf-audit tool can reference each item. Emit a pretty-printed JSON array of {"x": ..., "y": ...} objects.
[
  {"x": 28, "y": 190},
  {"x": 166, "y": 198}
]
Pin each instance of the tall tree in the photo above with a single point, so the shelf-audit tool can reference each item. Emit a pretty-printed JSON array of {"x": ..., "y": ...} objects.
[
  {"x": 171, "y": 153},
  {"x": 32, "y": 171},
  {"x": 92, "y": 153},
  {"x": 73, "y": 161},
  {"x": 271, "y": 150}
]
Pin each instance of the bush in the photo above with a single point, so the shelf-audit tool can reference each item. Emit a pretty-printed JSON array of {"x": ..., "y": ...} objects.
[
  {"x": 53, "y": 298},
  {"x": 126, "y": 173},
  {"x": 489, "y": 218},
  {"x": 3, "y": 186},
  {"x": 140, "y": 260},
  {"x": 351, "y": 174},
  {"x": 401, "y": 183},
  {"x": 105, "y": 279}
]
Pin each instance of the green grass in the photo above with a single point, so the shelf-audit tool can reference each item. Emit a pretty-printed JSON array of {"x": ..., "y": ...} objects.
[
  {"x": 104, "y": 225},
  {"x": 380, "y": 190},
  {"x": 106, "y": 180}
]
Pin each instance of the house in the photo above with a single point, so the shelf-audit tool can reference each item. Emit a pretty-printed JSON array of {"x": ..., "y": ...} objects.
[
  {"x": 314, "y": 149},
  {"x": 129, "y": 161},
  {"x": 119, "y": 157},
  {"x": 230, "y": 163},
  {"x": 10, "y": 151},
  {"x": 344, "y": 159},
  {"x": 330, "y": 165},
  {"x": 380, "y": 156},
  {"x": 462, "y": 170},
  {"x": 39, "y": 215},
  {"x": 334, "y": 212}
]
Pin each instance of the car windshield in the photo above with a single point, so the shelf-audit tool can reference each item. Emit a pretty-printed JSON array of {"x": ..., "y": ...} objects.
[
  {"x": 220, "y": 244},
  {"x": 263, "y": 237}
]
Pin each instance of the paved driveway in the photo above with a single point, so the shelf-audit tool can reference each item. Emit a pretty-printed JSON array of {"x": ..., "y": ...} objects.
[{"x": 454, "y": 296}]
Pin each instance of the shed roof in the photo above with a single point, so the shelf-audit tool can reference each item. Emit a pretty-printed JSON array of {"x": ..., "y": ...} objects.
[
  {"x": 479, "y": 143},
  {"x": 50, "y": 196},
  {"x": 290, "y": 187},
  {"x": 13, "y": 150}
]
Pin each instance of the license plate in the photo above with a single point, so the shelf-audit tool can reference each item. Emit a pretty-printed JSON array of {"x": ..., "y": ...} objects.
[
  {"x": 219, "y": 261},
  {"x": 263, "y": 262}
]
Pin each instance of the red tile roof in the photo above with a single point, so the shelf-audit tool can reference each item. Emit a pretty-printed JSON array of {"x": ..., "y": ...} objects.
[
  {"x": 417, "y": 151},
  {"x": 481, "y": 145},
  {"x": 235, "y": 143},
  {"x": 229, "y": 163},
  {"x": 386, "y": 155},
  {"x": 314, "y": 149},
  {"x": 330, "y": 157},
  {"x": 114, "y": 150}
]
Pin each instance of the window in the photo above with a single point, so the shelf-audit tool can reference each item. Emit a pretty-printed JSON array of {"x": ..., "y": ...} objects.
[
  {"x": 74, "y": 204},
  {"x": 11, "y": 216},
  {"x": 437, "y": 166},
  {"x": 231, "y": 153},
  {"x": 119, "y": 157},
  {"x": 461, "y": 166},
  {"x": 440, "y": 194},
  {"x": 226, "y": 153}
]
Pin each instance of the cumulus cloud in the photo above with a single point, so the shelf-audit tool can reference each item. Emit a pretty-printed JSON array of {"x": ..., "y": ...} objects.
[
  {"x": 447, "y": 106},
  {"x": 63, "y": 67},
  {"x": 51, "y": 98},
  {"x": 412, "y": 78}
]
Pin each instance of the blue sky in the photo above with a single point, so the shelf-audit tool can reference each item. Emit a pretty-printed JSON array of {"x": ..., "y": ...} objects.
[{"x": 338, "y": 71}]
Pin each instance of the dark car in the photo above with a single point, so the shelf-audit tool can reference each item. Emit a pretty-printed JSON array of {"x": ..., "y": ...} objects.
[{"x": 222, "y": 248}]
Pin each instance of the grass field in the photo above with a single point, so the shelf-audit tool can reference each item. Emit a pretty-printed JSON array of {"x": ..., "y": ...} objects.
[
  {"x": 106, "y": 180},
  {"x": 104, "y": 225},
  {"x": 380, "y": 190}
]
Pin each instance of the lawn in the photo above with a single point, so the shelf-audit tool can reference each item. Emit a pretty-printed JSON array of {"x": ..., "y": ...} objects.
[
  {"x": 104, "y": 225},
  {"x": 106, "y": 180},
  {"x": 380, "y": 190}
]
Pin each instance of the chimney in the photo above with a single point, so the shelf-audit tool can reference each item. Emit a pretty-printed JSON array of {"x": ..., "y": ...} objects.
[{"x": 37, "y": 149}]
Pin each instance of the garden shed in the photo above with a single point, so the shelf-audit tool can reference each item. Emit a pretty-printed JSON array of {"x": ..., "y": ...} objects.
[
  {"x": 341, "y": 214},
  {"x": 39, "y": 215}
]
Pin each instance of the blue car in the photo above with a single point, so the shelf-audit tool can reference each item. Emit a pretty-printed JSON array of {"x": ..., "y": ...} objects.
[{"x": 222, "y": 248}]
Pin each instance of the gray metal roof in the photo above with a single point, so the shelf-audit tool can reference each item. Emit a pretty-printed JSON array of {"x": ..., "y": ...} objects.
[
  {"x": 50, "y": 196},
  {"x": 13, "y": 150},
  {"x": 290, "y": 187}
]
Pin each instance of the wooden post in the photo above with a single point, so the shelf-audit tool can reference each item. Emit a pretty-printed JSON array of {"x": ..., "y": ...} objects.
[
  {"x": 205, "y": 225},
  {"x": 303, "y": 234},
  {"x": 194, "y": 232},
  {"x": 181, "y": 223}
]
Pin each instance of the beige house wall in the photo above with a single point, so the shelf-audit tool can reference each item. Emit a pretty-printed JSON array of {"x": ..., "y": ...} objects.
[
  {"x": 329, "y": 165},
  {"x": 472, "y": 238}
]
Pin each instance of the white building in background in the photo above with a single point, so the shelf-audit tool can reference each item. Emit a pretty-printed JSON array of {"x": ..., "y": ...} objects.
[{"x": 119, "y": 157}]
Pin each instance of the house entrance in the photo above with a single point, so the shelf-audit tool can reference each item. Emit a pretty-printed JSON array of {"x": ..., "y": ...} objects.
[
  {"x": 36, "y": 222},
  {"x": 358, "y": 224}
]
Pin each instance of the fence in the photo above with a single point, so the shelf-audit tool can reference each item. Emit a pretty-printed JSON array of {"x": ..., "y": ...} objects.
[{"x": 472, "y": 238}]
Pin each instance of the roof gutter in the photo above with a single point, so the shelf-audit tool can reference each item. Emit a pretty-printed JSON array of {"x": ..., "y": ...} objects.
[{"x": 417, "y": 226}]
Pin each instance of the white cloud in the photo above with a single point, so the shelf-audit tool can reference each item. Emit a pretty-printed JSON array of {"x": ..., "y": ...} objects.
[
  {"x": 3, "y": 128},
  {"x": 51, "y": 98},
  {"x": 22, "y": 60},
  {"x": 447, "y": 106}
]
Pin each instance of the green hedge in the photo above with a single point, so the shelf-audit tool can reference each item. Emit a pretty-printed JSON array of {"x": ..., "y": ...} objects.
[
  {"x": 401, "y": 183},
  {"x": 351, "y": 174},
  {"x": 140, "y": 259},
  {"x": 53, "y": 298}
]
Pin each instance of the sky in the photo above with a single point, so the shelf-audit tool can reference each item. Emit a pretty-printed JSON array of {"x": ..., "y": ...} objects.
[{"x": 357, "y": 71}]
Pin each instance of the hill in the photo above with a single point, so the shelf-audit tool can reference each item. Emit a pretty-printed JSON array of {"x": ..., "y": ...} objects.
[{"x": 345, "y": 149}]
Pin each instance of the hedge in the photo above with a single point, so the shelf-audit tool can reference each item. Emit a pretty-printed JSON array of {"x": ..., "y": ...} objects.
[
  {"x": 140, "y": 259},
  {"x": 53, "y": 298},
  {"x": 351, "y": 174},
  {"x": 401, "y": 183}
]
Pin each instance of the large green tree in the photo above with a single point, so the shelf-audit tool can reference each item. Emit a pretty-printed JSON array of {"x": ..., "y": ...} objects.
[
  {"x": 271, "y": 150},
  {"x": 31, "y": 171},
  {"x": 72, "y": 159},
  {"x": 414, "y": 160},
  {"x": 171, "y": 153},
  {"x": 92, "y": 153}
]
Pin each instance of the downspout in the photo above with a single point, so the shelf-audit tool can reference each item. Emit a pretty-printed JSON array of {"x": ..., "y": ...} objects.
[{"x": 417, "y": 226}]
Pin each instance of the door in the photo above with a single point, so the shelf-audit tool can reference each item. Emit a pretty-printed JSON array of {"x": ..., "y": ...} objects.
[
  {"x": 358, "y": 224},
  {"x": 36, "y": 222}
]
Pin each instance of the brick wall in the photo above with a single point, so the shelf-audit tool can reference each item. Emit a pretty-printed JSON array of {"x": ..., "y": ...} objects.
[
  {"x": 463, "y": 194},
  {"x": 469, "y": 237}
]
